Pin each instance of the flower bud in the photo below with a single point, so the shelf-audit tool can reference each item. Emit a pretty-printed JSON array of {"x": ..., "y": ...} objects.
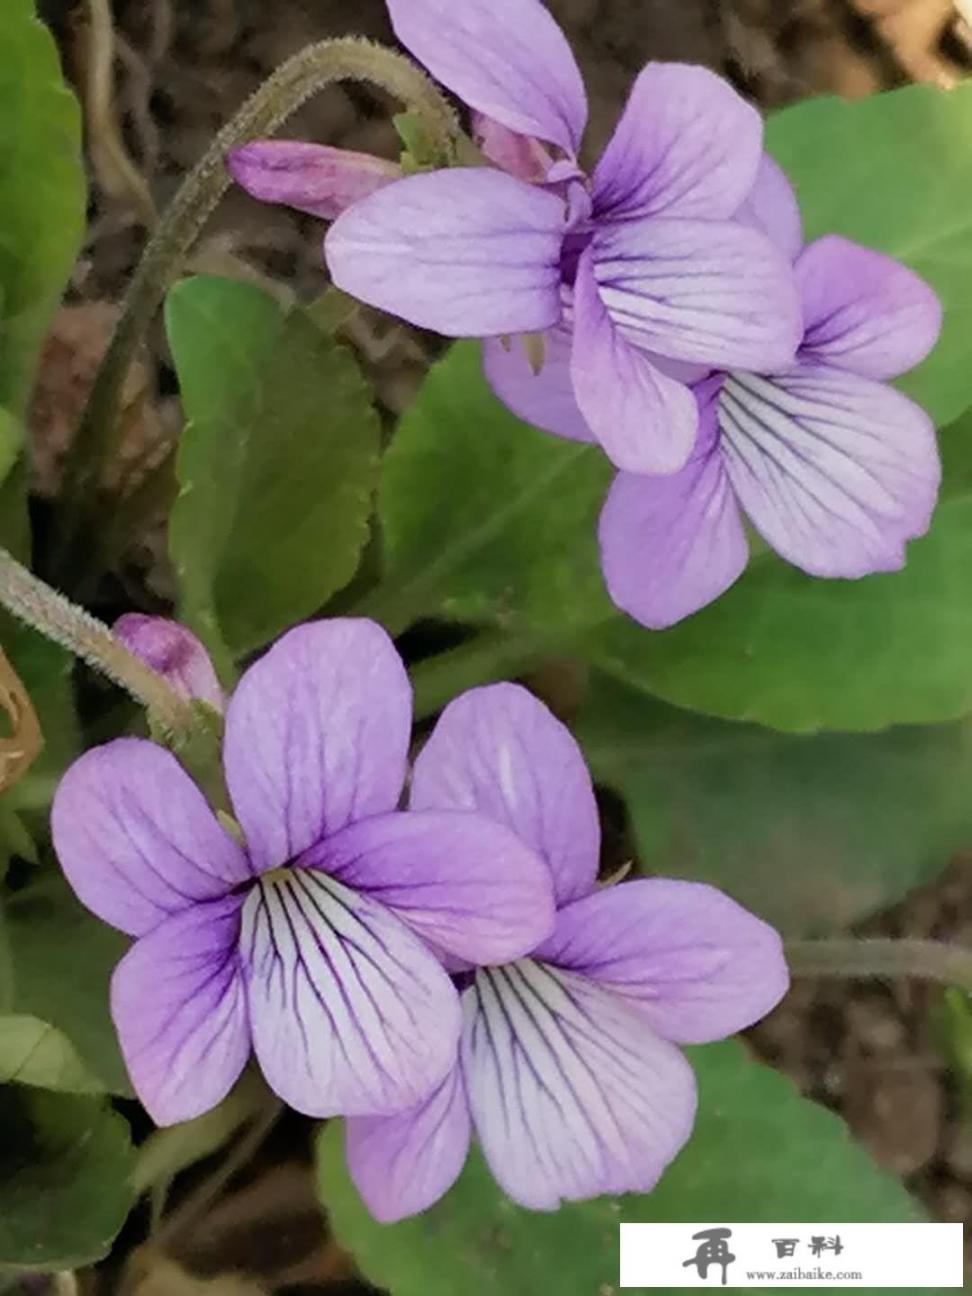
[
  {"x": 174, "y": 652},
  {"x": 313, "y": 178}
]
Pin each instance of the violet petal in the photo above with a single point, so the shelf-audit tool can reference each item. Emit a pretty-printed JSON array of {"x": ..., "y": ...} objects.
[
  {"x": 710, "y": 292},
  {"x": 645, "y": 421},
  {"x": 692, "y": 962},
  {"x": 772, "y": 208},
  {"x": 518, "y": 155},
  {"x": 835, "y": 471},
  {"x": 864, "y": 312},
  {"x": 137, "y": 840},
  {"x": 402, "y": 1165},
  {"x": 505, "y": 58},
  {"x": 544, "y": 398},
  {"x": 351, "y": 1014},
  {"x": 499, "y": 751},
  {"x": 177, "y": 1002},
  {"x": 671, "y": 544},
  {"x": 467, "y": 885},
  {"x": 469, "y": 252},
  {"x": 317, "y": 735},
  {"x": 572, "y": 1094},
  {"x": 687, "y": 144}
]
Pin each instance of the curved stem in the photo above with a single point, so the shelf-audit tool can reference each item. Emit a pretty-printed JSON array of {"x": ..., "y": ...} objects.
[
  {"x": 485, "y": 658},
  {"x": 928, "y": 960},
  {"x": 80, "y": 633},
  {"x": 268, "y": 108}
]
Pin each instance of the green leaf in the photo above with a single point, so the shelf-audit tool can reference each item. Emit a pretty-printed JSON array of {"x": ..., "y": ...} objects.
[
  {"x": 894, "y": 171},
  {"x": 15, "y": 838},
  {"x": 35, "y": 1053},
  {"x": 488, "y": 520},
  {"x": 484, "y": 517},
  {"x": 277, "y": 463},
  {"x": 65, "y": 1168},
  {"x": 759, "y": 1153},
  {"x": 419, "y": 151},
  {"x": 11, "y": 439},
  {"x": 812, "y": 833},
  {"x": 63, "y": 958},
  {"x": 42, "y": 193}
]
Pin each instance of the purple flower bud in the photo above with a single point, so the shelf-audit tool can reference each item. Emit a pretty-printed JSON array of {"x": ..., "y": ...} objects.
[
  {"x": 312, "y": 178},
  {"x": 174, "y": 652}
]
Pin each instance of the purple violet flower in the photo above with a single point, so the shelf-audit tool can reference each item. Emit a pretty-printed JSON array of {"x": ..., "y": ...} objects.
[
  {"x": 174, "y": 652},
  {"x": 643, "y": 260},
  {"x": 568, "y": 1071},
  {"x": 311, "y": 943},
  {"x": 835, "y": 469}
]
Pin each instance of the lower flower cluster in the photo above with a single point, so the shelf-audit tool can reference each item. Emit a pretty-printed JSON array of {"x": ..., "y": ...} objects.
[{"x": 448, "y": 970}]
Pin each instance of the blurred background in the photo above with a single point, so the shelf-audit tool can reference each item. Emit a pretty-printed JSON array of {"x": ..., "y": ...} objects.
[{"x": 156, "y": 79}]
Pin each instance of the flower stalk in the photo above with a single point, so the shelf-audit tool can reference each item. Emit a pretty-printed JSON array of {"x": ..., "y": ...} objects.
[
  {"x": 50, "y": 613},
  {"x": 882, "y": 957},
  {"x": 293, "y": 83},
  {"x": 492, "y": 655}
]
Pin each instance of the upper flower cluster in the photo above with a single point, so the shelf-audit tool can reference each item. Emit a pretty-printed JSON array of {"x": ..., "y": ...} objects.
[
  {"x": 640, "y": 262},
  {"x": 720, "y": 365},
  {"x": 420, "y": 970}
]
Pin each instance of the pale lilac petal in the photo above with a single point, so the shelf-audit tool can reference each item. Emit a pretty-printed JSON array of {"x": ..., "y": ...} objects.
[
  {"x": 711, "y": 292},
  {"x": 505, "y": 58},
  {"x": 500, "y": 751},
  {"x": 469, "y": 252},
  {"x": 572, "y": 1093},
  {"x": 519, "y": 155},
  {"x": 317, "y": 736},
  {"x": 467, "y": 885},
  {"x": 864, "y": 312},
  {"x": 687, "y": 144},
  {"x": 692, "y": 962},
  {"x": 313, "y": 178},
  {"x": 772, "y": 208},
  {"x": 402, "y": 1165},
  {"x": 173, "y": 651},
  {"x": 178, "y": 1005},
  {"x": 835, "y": 471},
  {"x": 351, "y": 1013},
  {"x": 137, "y": 840},
  {"x": 544, "y": 398},
  {"x": 645, "y": 421},
  {"x": 670, "y": 545}
]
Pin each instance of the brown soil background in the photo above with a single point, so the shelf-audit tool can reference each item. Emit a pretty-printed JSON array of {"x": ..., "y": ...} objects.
[{"x": 182, "y": 67}]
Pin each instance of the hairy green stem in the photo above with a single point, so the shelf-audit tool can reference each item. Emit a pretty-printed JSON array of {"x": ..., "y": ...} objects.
[
  {"x": 487, "y": 657},
  {"x": 928, "y": 960},
  {"x": 53, "y": 616},
  {"x": 292, "y": 84}
]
